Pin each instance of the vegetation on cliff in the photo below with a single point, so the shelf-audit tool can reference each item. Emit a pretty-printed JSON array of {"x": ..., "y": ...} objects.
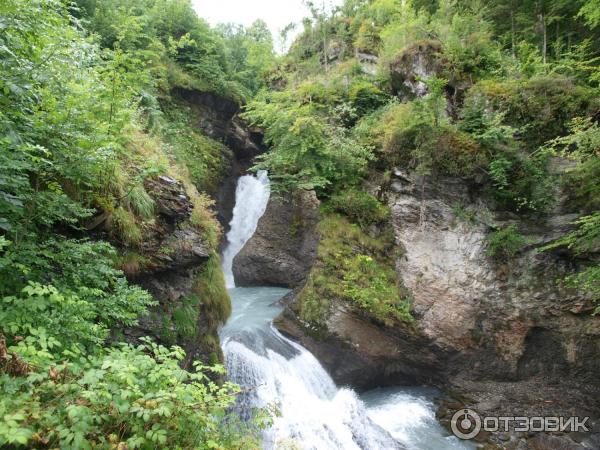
[
  {"x": 490, "y": 92},
  {"x": 88, "y": 123}
]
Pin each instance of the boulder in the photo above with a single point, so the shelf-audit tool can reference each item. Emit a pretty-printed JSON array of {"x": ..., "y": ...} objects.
[{"x": 284, "y": 246}]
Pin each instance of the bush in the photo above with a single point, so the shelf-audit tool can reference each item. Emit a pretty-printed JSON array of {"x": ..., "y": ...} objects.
[
  {"x": 307, "y": 153},
  {"x": 410, "y": 138},
  {"x": 360, "y": 206},
  {"x": 506, "y": 243},
  {"x": 365, "y": 96},
  {"x": 541, "y": 107},
  {"x": 122, "y": 397},
  {"x": 521, "y": 182}
]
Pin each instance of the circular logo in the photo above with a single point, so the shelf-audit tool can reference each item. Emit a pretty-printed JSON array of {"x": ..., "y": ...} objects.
[{"x": 465, "y": 424}]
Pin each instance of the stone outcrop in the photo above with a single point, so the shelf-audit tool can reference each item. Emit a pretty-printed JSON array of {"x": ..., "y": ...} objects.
[
  {"x": 284, "y": 246},
  {"x": 217, "y": 117},
  {"x": 506, "y": 337},
  {"x": 413, "y": 66},
  {"x": 173, "y": 253}
]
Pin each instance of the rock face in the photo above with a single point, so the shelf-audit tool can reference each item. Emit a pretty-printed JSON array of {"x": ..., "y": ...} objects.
[
  {"x": 506, "y": 337},
  {"x": 217, "y": 117},
  {"x": 415, "y": 64},
  {"x": 510, "y": 320},
  {"x": 174, "y": 253},
  {"x": 284, "y": 246}
]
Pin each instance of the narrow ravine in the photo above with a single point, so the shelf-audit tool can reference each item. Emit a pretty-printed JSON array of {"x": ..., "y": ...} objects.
[{"x": 314, "y": 412}]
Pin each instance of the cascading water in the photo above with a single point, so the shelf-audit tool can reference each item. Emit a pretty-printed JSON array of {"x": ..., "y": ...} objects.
[
  {"x": 314, "y": 412},
  {"x": 252, "y": 195}
]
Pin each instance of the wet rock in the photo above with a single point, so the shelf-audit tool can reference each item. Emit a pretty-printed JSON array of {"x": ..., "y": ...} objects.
[{"x": 284, "y": 246}]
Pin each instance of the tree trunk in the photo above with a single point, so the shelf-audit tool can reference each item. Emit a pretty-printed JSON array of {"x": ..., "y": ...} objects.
[
  {"x": 544, "y": 37},
  {"x": 512, "y": 33}
]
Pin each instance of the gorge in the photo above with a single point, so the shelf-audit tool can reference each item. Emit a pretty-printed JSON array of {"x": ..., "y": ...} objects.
[
  {"x": 352, "y": 241},
  {"x": 275, "y": 371}
]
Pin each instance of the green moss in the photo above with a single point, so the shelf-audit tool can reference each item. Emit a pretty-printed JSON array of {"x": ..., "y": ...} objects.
[
  {"x": 357, "y": 269},
  {"x": 209, "y": 287}
]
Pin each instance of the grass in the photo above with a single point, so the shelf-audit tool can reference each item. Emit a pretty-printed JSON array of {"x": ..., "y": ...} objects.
[
  {"x": 139, "y": 202},
  {"x": 209, "y": 287},
  {"x": 123, "y": 226},
  {"x": 355, "y": 268}
]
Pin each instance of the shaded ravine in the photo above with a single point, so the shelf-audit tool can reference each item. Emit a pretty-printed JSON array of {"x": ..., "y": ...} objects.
[{"x": 314, "y": 412}]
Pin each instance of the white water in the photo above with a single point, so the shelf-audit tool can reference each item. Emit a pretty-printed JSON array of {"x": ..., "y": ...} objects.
[
  {"x": 314, "y": 412},
  {"x": 252, "y": 195}
]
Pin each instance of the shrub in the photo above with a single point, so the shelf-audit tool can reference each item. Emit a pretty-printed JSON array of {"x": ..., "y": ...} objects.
[
  {"x": 122, "y": 397},
  {"x": 505, "y": 243},
  {"x": 584, "y": 240},
  {"x": 542, "y": 106},
  {"x": 410, "y": 138},
  {"x": 367, "y": 38},
  {"x": 365, "y": 96},
  {"x": 307, "y": 152},
  {"x": 521, "y": 182},
  {"x": 360, "y": 206}
]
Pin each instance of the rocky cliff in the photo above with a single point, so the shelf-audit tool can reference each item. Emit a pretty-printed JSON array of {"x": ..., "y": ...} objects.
[
  {"x": 506, "y": 337},
  {"x": 171, "y": 265},
  {"x": 177, "y": 261}
]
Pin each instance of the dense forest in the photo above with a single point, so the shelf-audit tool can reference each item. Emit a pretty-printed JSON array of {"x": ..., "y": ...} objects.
[{"x": 91, "y": 117}]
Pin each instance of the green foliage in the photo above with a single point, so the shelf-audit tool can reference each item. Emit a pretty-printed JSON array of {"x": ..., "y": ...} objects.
[
  {"x": 209, "y": 287},
  {"x": 81, "y": 133},
  {"x": 521, "y": 182},
  {"x": 365, "y": 97},
  {"x": 360, "y": 206},
  {"x": 542, "y": 107},
  {"x": 355, "y": 268},
  {"x": 123, "y": 226},
  {"x": 250, "y": 54},
  {"x": 413, "y": 136},
  {"x": 505, "y": 243},
  {"x": 134, "y": 397},
  {"x": 590, "y": 11},
  {"x": 581, "y": 145},
  {"x": 80, "y": 271},
  {"x": 204, "y": 158},
  {"x": 585, "y": 239},
  {"x": 306, "y": 152},
  {"x": 138, "y": 201}
]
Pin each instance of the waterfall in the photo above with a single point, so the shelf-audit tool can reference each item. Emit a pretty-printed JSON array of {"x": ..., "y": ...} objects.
[
  {"x": 274, "y": 371},
  {"x": 251, "y": 198}
]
